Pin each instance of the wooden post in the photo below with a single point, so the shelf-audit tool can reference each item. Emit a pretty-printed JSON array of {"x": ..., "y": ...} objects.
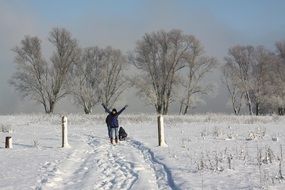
[
  {"x": 8, "y": 142},
  {"x": 161, "y": 140},
  {"x": 64, "y": 132}
]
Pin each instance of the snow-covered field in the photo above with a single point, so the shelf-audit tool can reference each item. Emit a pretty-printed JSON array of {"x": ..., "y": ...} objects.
[{"x": 204, "y": 152}]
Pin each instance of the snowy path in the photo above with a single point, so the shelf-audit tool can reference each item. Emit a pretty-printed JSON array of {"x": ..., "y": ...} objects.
[{"x": 99, "y": 165}]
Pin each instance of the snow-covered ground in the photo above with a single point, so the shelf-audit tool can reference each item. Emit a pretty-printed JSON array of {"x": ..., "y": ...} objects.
[{"x": 204, "y": 152}]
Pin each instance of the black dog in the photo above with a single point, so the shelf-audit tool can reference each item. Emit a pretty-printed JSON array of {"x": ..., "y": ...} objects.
[{"x": 122, "y": 134}]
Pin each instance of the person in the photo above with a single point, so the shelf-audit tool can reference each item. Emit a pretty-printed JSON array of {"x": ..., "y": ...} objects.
[{"x": 113, "y": 123}]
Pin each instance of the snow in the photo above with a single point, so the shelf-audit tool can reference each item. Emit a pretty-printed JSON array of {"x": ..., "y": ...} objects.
[{"x": 204, "y": 152}]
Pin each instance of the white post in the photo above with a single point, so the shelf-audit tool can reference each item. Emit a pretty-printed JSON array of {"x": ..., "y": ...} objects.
[
  {"x": 8, "y": 142},
  {"x": 161, "y": 141},
  {"x": 64, "y": 132}
]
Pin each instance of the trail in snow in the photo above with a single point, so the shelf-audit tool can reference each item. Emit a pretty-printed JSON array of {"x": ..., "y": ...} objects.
[
  {"x": 163, "y": 174},
  {"x": 100, "y": 165}
]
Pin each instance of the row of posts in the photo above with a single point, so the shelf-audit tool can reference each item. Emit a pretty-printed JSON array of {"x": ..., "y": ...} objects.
[{"x": 160, "y": 123}]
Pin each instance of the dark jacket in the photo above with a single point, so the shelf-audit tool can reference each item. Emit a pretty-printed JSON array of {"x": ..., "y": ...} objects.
[{"x": 112, "y": 119}]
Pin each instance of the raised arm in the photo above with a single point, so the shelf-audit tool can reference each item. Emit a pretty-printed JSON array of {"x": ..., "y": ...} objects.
[
  {"x": 106, "y": 109},
  {"x": 119, "y": 112}
]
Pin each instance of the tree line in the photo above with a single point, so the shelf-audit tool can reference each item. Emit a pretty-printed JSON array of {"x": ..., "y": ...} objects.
[
  {"x": 92, "y": 75},
  {"x": 165, "y": 67}
]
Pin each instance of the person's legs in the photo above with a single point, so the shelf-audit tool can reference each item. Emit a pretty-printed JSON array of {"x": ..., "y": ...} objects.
[
  {"x": 116, "y": 134},
  {"x": 113, "y": 134},
  {"x": 109, "y": 131}
]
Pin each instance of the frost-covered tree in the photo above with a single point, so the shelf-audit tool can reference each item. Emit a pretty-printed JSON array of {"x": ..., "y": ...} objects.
[
  {"x": 65, "y": 56},
  {"x": 241, "y": 58},
  {"x": 232, "y": 83},
  {"x": 197, "y": 66},
  {"x": 280, "y": 77},
  {"x": 273, "y": 91},
  {"x": 113, "y": 82},
  {"x": 99, "y": 77},
  {"x": 31, "y": 77},
  {"x": 42, "y": 81},
  {"x": 87, "y": 78},
  {"x": 159, "y": 56},
  {"x": 260, "y": 78},
  {"x": 269, "y": 80}
]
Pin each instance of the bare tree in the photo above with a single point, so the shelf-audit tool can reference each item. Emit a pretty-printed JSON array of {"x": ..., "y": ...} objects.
[
  {"x": 87, "y": 79},
  {"x": 31, "y": 77},
  {"x": 231, "y": 82},
  {"x": 279, "y": 77},
  {"x": 159, "y": 56},
  {"x": 261, "y": 69},
  {"x": 113, "y": 82},
  {"x": 67, "y": 54},
  {"x": 198, "y": 66},
  {"x": 269, "y": 80},
  {"x": 241, "y": 58},
  {"x": 43, "y": 82}
]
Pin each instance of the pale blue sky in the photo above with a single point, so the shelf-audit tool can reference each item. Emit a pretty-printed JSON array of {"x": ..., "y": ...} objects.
[
  {"x": 243, "y": 15},
  {"x": 219, "y": 24}
]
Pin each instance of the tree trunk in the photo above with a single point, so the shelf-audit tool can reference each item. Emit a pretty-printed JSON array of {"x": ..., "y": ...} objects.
[
  {"x": 281, "y": 111},
  {"x": 257, "y": 109},
  {"x": 188, "y": 104},
  {"x": 181, "y": 106},
  {"x": 165, "y": 111},
  {"x": 159, "y": 109},
  {"x": 235, "y": 111},
  {"x": 51, "y": 107},
  {"x": 235, "y": 108},
  {"x": 186, "y": 109},
  {"x": 86, "y": 111},
  {"x": 249, "y": 103},
  {"x": 45, "y": 107},
  {"x": 250, "y": 108},
  {"x": 165, "y": 107}
]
